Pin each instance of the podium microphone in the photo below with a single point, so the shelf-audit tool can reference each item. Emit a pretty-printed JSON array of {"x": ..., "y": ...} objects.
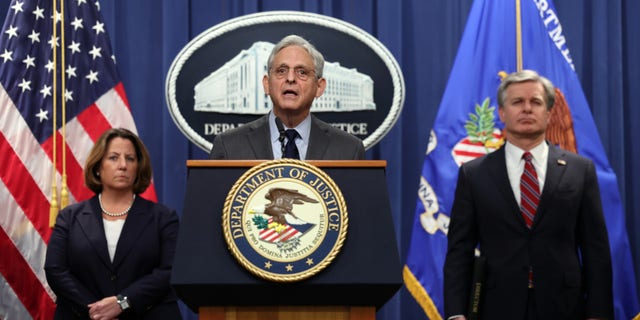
[{"x": 282, "y": 134}]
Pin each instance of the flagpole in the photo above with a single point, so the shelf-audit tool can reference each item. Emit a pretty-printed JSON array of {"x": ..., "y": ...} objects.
[
  {"x": 53, "y": 209},
  {"x": 64, "y": 192},
  {"x": 518, "y": 36}
]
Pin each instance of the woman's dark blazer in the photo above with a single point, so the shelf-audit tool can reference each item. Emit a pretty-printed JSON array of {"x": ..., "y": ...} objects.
[{"x": 80, "y": 272}]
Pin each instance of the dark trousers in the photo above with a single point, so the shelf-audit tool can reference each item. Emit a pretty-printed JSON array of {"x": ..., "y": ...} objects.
[{"x": 531, "y": 306}]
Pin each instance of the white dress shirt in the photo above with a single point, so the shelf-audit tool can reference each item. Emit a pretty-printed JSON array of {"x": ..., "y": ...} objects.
[
  {"x": 515, "y": 165},
  {"x": 112, "y": 230}
]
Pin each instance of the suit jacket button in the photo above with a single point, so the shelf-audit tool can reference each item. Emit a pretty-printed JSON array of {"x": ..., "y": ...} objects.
[{"x": 113, "y": 277}]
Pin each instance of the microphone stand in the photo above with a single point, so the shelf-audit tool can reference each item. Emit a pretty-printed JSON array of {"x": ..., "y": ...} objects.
[{"x": 282, "y": 135}]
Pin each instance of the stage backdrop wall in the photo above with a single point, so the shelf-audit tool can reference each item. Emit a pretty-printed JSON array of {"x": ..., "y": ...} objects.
[{"x": 424, "y": 36}]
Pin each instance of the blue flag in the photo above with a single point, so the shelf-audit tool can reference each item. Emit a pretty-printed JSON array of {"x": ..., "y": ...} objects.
[{"x": 467, "y": 126}]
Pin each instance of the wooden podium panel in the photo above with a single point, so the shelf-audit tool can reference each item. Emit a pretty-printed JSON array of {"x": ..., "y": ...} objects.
[{"x": 288, "y": 313}]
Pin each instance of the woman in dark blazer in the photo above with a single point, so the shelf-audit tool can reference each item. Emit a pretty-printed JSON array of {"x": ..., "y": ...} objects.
[{"x": 110, "y": 257}]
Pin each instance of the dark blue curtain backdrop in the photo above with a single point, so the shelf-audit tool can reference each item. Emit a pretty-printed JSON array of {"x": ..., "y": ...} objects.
[{"x": 603, "y": 37}]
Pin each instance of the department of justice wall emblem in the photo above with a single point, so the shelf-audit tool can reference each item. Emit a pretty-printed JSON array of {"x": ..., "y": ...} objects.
[
  {"x": 215, "y": 82},
  {"x": 285, "y": 220}
]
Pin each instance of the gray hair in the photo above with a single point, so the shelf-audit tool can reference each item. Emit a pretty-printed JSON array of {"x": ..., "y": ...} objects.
[
  {"x": 294, "y": 40},
  {"x": 524, "y": 76}
]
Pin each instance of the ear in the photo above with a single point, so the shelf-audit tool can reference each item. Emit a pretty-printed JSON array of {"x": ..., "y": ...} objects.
[
  {"x": 322, "y": 84},
  {"x": 265, "y": 84}
]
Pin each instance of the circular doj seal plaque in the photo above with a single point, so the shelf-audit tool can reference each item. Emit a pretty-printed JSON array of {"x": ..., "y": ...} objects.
[
  {"x": 285, "y": 220},
  {"x": 215, "y": 82}
]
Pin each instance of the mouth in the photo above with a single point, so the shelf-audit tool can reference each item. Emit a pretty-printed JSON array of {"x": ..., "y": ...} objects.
[
  {"x": 290, "y": 93},
  {"x": 527, "y": 120}
]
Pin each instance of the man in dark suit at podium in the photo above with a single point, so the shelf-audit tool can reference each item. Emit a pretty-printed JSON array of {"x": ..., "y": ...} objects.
[{"x": 293, "y": 80}]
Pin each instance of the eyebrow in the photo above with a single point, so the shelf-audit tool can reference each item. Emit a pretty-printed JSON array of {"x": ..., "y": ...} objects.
[
  {"x": 296, "y": 66},
  {"x": 118, "y": 153}
]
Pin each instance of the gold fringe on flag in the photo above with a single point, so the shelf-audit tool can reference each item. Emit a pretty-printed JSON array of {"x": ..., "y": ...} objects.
[{"x": 420, "y": 294}]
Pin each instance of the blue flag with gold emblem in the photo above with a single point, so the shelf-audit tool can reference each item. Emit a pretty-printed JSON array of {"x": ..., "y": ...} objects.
[{"x": 467, "y": 126}]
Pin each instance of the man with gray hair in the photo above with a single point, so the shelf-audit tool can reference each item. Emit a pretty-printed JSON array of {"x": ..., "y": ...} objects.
[
  {"x": 534, "y": 212},
  {"x": 293, "y": 80}
]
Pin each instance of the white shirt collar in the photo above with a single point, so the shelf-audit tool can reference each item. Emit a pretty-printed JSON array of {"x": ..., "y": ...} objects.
[
  {"x": 539, "y": 153},
  {"x": 303, "y": 128}
]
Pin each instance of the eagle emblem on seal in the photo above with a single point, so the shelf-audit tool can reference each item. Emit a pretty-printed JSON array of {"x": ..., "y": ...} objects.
[
  {"x": 282, "y": 226},
  {"x": 282, "y": 201}
]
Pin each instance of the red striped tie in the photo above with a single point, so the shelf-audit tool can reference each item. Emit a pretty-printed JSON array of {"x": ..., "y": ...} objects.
[{"x": 529, "y": 190}]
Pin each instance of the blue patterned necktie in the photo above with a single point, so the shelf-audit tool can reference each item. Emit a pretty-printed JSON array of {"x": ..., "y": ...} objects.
[{"x": 290, "y": 149}]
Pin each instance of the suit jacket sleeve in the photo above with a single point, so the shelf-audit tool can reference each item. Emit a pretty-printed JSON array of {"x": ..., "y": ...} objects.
[
  {"x": 149, "y": 289},
  {"x": 58, "y": 273},
  {"x": 329, "y": 143},
  {"x": 249, "y": 141},
  {"x": 462, "y": 240},
  {"x": 594, "y": 249},
  {"x": 217, "y": 150},
  {"x": 359, "y": 155}
]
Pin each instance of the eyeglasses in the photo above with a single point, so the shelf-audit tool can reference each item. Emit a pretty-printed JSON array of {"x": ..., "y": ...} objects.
[{"x": 300, "y": 72}]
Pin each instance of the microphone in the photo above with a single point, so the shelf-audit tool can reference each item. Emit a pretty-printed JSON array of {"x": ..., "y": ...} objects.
[{"x": 282, "y": 134}]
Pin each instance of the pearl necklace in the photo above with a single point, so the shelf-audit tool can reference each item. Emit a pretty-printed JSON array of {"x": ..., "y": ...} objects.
[{"x": 115, "y": 214}]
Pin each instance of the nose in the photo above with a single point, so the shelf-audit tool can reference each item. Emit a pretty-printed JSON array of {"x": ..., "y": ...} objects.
[
  {"x": 122, "y": 163},
  {"x": 291, "y": 75}
]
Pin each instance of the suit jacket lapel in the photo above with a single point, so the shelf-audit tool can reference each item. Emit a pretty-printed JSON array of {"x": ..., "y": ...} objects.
[
  {"x": 90, "y": 219},
  {"x": 318, "y": 140},
  {"x": 137, "y": 220},
  {"x": 498, "y": 172},
  {"x": 556, "y": 165},
  {"x": 260, "y": 138}
]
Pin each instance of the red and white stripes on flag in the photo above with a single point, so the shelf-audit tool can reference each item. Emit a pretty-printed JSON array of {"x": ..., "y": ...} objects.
[
  {"x": 274, "y": 236},
  {"x": 95, "y": 101}
]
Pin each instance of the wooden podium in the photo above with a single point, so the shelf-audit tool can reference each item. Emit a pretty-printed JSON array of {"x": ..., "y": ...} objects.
[
  {"x": 362, "y": 277},
  {"x": 288, "y": 313}
]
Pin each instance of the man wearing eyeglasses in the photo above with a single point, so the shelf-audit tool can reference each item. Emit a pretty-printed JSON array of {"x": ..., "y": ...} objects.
[{"x": 293, "y": 80}]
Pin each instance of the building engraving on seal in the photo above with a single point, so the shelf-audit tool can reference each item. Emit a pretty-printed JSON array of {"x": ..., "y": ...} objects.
[
  {"x": 236, "y": 87},
  {"x": 285, "y": 220}
]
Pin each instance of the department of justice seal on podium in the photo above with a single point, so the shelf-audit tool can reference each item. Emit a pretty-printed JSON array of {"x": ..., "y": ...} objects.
[{"x": 285, "y": 220}]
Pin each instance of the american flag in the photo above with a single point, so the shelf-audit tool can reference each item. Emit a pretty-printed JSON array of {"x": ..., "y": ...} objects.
[
  {"x": 288, "y": 231},
  {"x": 95, "y": 101}
]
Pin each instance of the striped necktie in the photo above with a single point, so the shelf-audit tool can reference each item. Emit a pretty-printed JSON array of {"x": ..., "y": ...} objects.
[{"x": 529, "y": 190}]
